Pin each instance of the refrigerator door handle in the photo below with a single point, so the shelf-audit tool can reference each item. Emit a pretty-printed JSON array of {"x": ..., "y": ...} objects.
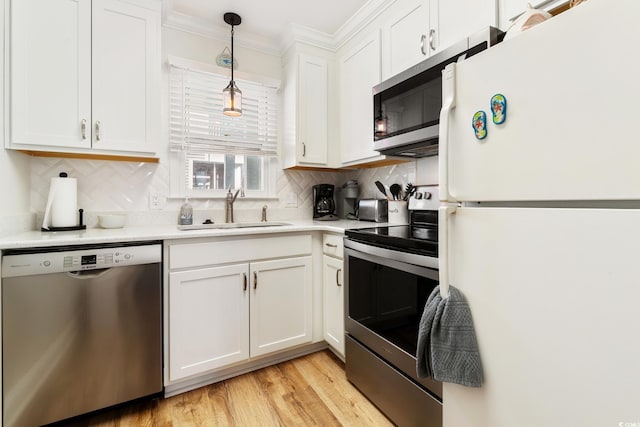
[
  {"x": 444, "y": 212},
  {"x": 448, "y": 104}
]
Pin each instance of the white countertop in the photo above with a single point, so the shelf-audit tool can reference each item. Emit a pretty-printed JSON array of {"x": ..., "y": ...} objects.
[{"x": 39, "y": 239}]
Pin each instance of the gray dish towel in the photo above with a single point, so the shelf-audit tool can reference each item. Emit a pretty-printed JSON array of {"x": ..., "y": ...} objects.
[{"x": 447, "y": 346}]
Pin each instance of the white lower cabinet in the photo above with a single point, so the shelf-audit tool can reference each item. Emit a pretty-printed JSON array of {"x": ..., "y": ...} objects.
[
  {"x": 280, "y": 307},
  {"x": 333, "y": 292},
  {"x": 220, "y": 315},
  {"x": 209, "y": 319},
  {"x": 333, "y": 298}
]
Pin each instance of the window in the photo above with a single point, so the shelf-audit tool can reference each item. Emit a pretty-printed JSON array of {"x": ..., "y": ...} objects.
[{"x": 211, "y": 152}]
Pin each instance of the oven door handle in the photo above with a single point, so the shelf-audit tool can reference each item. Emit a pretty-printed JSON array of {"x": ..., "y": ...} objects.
[
  {"x": 444, "y": 212},
  {"x": 420, "y": 265}
]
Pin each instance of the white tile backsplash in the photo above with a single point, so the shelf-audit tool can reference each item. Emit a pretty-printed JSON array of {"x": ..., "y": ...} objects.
[{"x": 109, "y": 186}]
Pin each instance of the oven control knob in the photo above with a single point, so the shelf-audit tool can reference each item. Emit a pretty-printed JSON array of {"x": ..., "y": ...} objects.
[{"x": 426, "y": 195}]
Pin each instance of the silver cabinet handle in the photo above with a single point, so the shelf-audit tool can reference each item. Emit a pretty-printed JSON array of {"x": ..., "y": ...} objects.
[
  {"x": 83, "y": 129},
  {"x": 331, "y": 245},
  {"x": 304, "y": 149},
  {"x": 338, "y": 271},
  {"x": 423, "y": 40},
  {"x": 98, "y": 130},
  {"x": 244, "y": 277},
  {"x": 432, "y": 34},
  {"x": 255, "y": 279}
]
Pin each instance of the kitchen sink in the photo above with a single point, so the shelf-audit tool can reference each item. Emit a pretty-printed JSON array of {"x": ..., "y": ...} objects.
[{"x": 223, "y": 226}]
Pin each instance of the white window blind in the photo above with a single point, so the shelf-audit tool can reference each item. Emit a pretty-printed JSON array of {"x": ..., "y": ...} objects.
[{"x": 196, "y": 122}]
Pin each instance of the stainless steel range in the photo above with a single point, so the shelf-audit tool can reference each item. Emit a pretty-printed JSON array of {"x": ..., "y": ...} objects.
[{"x": 389, "y": 273}]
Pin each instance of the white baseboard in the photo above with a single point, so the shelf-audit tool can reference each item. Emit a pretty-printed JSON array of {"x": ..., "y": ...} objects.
[{"x": 182, "y": 386}]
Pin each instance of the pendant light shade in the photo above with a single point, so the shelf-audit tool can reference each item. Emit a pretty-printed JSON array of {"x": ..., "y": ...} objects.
[
  {"x": 232, "y": 100},
  {"x": 232, "y": 96}
]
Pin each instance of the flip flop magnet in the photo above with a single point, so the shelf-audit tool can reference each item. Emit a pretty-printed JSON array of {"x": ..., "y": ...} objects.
[
  {"x": 479, "y": 124},
  {"x": 499, "y": 108}
]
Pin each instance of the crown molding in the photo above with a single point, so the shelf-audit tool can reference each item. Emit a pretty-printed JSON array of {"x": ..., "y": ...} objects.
[
  {"x": 364, "y": 16},
  {"x": 292, "y": 34},
  {"x": 299, "y": 33}
]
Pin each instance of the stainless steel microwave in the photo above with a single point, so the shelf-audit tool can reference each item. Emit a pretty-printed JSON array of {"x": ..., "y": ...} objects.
[{"x": 406, "y": 107}]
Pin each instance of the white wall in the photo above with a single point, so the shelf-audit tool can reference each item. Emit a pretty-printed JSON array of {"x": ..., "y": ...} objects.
[{"x": 14, "y": 170}]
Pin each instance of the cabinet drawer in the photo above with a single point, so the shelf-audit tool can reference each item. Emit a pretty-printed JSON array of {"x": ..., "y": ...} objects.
[
  {"x": 224, "y": 250},
  {"x": 332, "y": 245}
]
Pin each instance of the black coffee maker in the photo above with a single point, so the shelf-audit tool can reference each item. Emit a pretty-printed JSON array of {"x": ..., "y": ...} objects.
[{"x": 324, "y": 205}]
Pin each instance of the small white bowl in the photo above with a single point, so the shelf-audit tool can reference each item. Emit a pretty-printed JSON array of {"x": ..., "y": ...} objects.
[{"x": 112, "y": 221}]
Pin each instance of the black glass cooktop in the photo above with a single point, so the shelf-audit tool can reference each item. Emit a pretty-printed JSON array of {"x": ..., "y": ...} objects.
[{"x": 421, "y": 239}]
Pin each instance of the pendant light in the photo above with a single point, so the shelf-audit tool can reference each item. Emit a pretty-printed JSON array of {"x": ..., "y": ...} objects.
[{"x": 232, "y": 96}]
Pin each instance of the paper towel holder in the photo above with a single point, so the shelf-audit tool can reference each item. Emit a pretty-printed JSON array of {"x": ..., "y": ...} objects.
[
  {"x": 80, "y": 225},
  {"x": 66, "y": 223}
]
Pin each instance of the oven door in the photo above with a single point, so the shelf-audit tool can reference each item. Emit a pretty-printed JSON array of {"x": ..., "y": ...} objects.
[{"x": 385, "y": 297}]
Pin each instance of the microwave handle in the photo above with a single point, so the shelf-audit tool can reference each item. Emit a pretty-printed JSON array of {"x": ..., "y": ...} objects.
[{"x": 448, "y": 104}]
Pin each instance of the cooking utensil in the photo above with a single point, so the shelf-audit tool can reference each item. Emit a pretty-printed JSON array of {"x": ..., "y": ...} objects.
[
  {"x": 396, "y": 191},
  {"x": 382, "y": 189},
  {"x": 409, "y": 191}
]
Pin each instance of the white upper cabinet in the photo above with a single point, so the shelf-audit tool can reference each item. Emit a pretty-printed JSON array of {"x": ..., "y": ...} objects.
[
  {"x": 359, "y": 72},
  {"x": 126, "y": 76},
  {"x": 50, "y": 73},
  {"x": 85, "y": 76},
  {"x": 414, "y": 30},
  {"x": 456, "y": 19},
  {"x": 313, "y": 110},
  {"x": 406, "y": 37},
  {"x": 305, "y": 111}
]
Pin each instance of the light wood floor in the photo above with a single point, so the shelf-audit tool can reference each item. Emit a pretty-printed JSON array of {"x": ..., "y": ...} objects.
[{"x": 311, "y": 390}]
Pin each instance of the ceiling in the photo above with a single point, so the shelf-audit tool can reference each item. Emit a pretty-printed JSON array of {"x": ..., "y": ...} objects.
[{"x": 264, "y": 20}]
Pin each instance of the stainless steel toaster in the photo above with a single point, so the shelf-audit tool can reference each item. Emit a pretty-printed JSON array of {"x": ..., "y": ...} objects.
[{"x": 373, "y": 210}]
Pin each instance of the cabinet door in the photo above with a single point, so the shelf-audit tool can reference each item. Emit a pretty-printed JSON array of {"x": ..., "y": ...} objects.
[
  {"x": 406, "y": 35},
  {"x": 208, "y": 319},
  {"x": 333, "y": 291},
  {"x": 456, "y": 19},
  {"x": 281, "y": 304},
  {"x": 359, "y": 72},
  {"x": 126, "y": 76},
  {"x": 50, "y": 81},
  {"x": 312, "y": 110}
]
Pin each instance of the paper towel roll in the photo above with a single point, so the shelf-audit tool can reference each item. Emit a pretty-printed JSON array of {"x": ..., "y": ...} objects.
[{"x": 62, "y": 204}]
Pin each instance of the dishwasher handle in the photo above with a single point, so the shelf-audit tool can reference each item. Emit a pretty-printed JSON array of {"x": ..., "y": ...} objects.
[{"x": 88, "y": 274}]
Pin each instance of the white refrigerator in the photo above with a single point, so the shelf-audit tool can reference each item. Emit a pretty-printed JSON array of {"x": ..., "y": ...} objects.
[{"x": 540, "y": 224}]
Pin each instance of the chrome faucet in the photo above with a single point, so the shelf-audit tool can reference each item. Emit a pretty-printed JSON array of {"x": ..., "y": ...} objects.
[
  {"x": 264, "y": 214},
  {"x": 228, "y": 205}
]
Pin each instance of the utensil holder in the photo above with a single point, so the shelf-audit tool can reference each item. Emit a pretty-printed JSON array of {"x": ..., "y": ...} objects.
[{"x": 398, "y": 212}]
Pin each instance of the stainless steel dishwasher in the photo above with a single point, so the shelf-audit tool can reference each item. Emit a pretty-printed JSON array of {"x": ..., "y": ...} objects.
[{"x": 81, "y": 329}]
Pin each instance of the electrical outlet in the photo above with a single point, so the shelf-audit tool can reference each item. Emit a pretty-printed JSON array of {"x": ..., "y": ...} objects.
[
  {"x": 157, "y": 200},
  {"x": 292, "y": 200}
]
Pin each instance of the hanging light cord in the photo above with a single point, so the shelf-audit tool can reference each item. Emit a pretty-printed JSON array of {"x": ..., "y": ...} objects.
[{"x": 232, "y": 54}]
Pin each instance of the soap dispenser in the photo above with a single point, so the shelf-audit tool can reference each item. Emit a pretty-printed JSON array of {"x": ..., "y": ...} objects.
[{"x": 186, "y": 213}]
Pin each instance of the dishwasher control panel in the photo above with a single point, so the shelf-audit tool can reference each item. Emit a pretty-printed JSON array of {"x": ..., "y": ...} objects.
[{"x": 77, "y": 260}]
